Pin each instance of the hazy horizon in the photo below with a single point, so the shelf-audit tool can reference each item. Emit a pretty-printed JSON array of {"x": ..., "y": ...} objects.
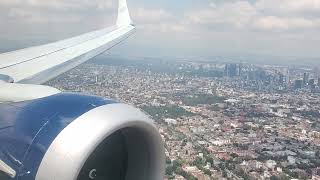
[{"x": 202, "y": 30}]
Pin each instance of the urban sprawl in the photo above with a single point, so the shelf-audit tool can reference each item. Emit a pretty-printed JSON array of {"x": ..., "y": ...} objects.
[{"x": 218, "y": 120}]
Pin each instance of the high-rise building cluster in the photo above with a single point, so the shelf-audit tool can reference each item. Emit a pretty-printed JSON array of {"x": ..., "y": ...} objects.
[{"x": 263, "y": 77}]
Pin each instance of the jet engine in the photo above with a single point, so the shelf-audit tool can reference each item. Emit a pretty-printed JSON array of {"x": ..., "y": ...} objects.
[{"x": 70, "y": 136}]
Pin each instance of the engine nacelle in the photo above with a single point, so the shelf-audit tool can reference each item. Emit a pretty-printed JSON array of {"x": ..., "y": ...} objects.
[{"x": 78, "y": 137}]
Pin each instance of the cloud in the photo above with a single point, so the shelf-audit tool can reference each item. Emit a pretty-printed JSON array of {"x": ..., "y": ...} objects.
[
  {"x": 288, "y": 15},
  {"x": 39, "y": 11},
  {"x": 75, "y": 11},
  {"x": 151, "y": 16},
  {"x": 288, "y": 6},
  {"x": 267, "y": 15},
  {"x": 37, "y": 17},
  {"x": 157, "y": 20},
  {"x": 237, "y": 14},
  {"x": 33, "y": 22},
  {"x": 202, "y": 26},
  {"x": 284, "y": 24},
  {"x": 59, "y": 4}
]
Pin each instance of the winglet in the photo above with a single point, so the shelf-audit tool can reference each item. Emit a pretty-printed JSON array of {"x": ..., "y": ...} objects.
[{"x": 123, "y": 14}]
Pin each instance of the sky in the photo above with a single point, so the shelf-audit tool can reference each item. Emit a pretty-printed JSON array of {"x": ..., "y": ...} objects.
[{"x": 198, "y": 29}]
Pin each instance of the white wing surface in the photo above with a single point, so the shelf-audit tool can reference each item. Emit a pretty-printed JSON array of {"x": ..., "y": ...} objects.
[{"x": 39, "y": 64}]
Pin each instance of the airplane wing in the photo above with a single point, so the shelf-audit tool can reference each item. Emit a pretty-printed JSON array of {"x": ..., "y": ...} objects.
[
  {"x": 46, "y": 134},
  {"x": 37, "y": 65}
]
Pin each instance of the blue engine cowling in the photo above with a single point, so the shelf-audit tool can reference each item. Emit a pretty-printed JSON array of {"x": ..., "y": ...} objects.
[{"x": 30, "y": 133}]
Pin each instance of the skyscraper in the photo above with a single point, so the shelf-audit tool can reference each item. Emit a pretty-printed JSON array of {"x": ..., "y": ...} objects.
[
  {"x": 240, "y": 69},
  {"x": 281, "y": 79},
  {"x": 311, "y": 82},
  {"x": 298, "y": 84},
  {"x": 226, "y": 67},
  {"x": 231, "y": 70},
  {"x": 305, "y": 78},
  {"x": 288, "y": 76}
]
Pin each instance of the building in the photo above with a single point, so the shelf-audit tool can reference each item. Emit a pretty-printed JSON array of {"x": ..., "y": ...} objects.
[
  {"x": 240, "y": 69},
  {"x": 271, "y": 164},
  {"x": 311, "y": 82},
  {"x": 298, "y": 84},
  {"x": 281, "y": 79},
  {"x": 231, "y": 70},
  {"x": 305, "y": 78}
]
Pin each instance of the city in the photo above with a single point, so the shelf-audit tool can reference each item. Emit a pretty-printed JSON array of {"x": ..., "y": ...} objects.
[
  {"x": 189, "y": 90},
  {"x": 217, "y": 120}
]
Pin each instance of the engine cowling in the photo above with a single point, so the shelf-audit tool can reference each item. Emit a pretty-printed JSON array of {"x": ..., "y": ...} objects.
[{"x": 77, "y": 137}]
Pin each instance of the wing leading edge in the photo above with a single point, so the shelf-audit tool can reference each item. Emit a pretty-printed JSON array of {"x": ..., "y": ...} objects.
[{"x": 39, "y": 64}]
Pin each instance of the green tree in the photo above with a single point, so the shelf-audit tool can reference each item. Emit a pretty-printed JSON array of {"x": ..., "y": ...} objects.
[
  {"x": 169, "y": 170},
  {"x": 168, "y": 160},
  {"x": 207, "y": 172},
  {"x": 176, "y": 164}
]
